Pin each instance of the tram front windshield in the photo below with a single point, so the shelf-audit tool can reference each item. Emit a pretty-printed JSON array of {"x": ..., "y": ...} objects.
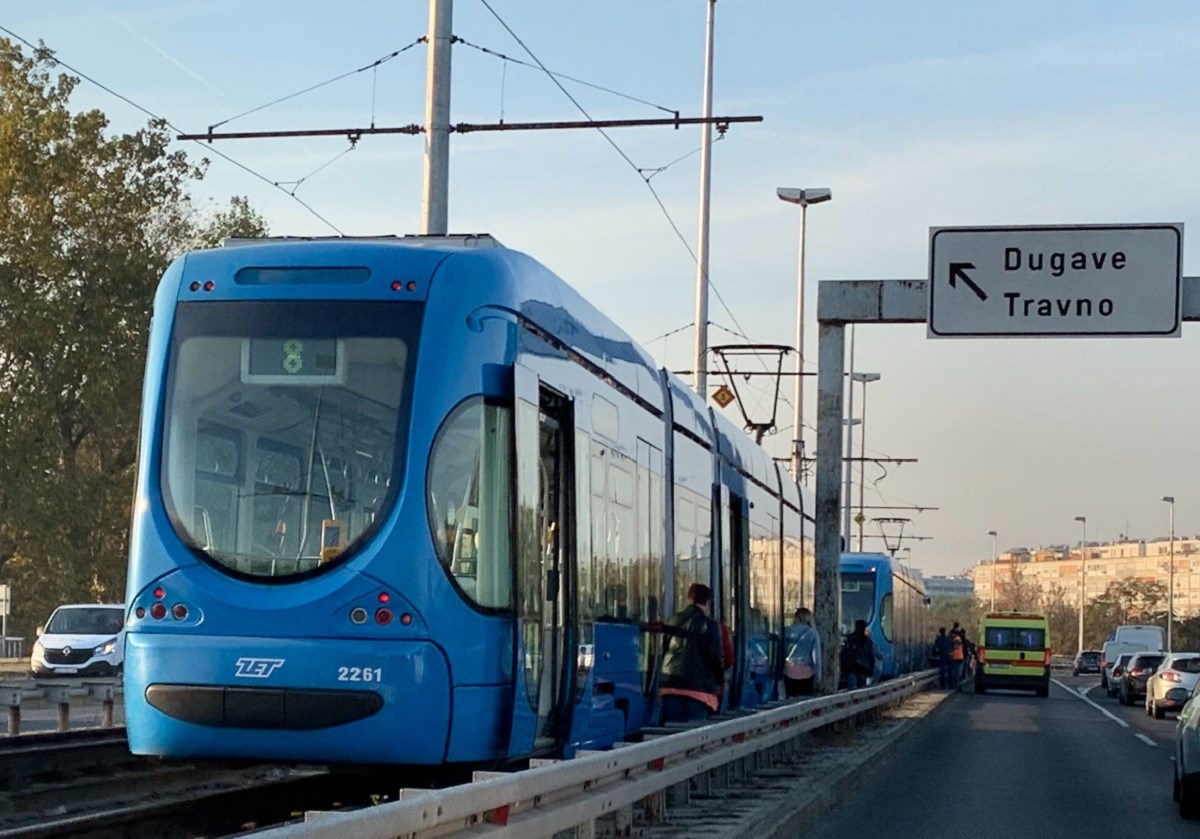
[
  {"x": 858, "y": 598},
  {"x": 284, "y": 427}
]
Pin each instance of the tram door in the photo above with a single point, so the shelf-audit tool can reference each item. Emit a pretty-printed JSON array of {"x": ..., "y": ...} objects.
[{"x": 544, "y": 621}]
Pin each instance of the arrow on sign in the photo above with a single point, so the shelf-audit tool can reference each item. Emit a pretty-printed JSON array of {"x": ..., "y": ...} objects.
[{"x": 958, "y": 272}]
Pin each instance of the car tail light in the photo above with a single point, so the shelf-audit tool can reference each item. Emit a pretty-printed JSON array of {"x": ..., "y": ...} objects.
[
  {"x": 1045, "y": 656},
  {"x": 981, "y": 653}
]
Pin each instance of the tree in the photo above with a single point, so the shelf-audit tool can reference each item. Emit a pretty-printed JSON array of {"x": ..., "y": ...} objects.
[
  {"x": 1061, "y": 617},
  {"x": 88, "y": 223},
  {"x": 1125, "y": 601},
  {"x": 944, "y": 611},
  {"x": 1015, "y": 593}
]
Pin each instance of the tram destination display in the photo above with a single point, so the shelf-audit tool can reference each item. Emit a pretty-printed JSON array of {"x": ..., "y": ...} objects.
[{"x": 296, "y": 361}]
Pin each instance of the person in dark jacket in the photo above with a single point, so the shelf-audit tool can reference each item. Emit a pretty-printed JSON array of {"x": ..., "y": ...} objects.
[
  {"x": 941, "y": 650},
  {"x": 692, "y": 668},
  {"x": 858, "y": 656}
]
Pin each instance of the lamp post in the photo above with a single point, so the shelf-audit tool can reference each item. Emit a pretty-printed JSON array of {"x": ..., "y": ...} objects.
[
  {"x": 865, "y": 378},
  {"x": 1082, "y": 575},
  {"x": 992, "y": 533},
  {"x": 803, "y": 197},
  {"x": 1170, "y": 499},
  {"x": 848, "y": 423}
]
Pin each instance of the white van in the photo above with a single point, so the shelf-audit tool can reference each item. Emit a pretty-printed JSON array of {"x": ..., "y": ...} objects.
[
  {"x": 81, "y": 640},
  {"x": 1150, "y": 637}
]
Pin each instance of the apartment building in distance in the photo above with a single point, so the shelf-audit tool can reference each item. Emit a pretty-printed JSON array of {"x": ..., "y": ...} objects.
[
  {"x": 1057, "y": 567},
  {"x": 939, "y": 586}
]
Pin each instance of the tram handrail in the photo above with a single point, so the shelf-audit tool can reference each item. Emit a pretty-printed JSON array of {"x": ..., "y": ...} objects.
[{"x": 546, "y": 799}]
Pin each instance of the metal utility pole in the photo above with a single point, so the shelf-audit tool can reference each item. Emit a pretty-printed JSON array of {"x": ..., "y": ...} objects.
[
  {"x": 1082, "y": 573},
  {"x": 865, "y": 378},
  {"x": 1170, "y": 499},
  {"x": 435, "y": 204},
  {"x": 701, "y": 379},
  {"x": 992, "y": 533},
  {"x": 848, "y": 466}
]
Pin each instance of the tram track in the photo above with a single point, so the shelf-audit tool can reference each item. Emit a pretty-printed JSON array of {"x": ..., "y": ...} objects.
[{"x": 86, "y": 783}]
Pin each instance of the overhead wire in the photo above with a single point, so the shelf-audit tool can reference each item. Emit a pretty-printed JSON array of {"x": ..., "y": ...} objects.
[
  {"x": 50, "y": 55},
  {"x": 374, "y": 65},
  {"x": 625, "y": 157},
  {"x": 510, "y": 59}
]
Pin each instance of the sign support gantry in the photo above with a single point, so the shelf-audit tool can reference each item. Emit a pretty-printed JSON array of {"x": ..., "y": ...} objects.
[{"x": 863, "y": 301}]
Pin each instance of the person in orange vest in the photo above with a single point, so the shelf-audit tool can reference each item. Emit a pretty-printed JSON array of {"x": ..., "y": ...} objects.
[{"x": 958, "y": 656}]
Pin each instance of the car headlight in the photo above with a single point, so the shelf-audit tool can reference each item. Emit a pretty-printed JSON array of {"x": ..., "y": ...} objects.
[{"x": 108, "y": 647}]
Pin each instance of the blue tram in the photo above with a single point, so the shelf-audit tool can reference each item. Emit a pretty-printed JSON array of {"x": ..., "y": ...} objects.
[
  {"x": 891, "y": 599},
  {"x": 413, "y": 500}
]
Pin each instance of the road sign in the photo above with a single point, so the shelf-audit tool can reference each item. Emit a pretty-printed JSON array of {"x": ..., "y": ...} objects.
[
  {"x": 723, "y": 396},
  {"x": 1055, "y": 282}
]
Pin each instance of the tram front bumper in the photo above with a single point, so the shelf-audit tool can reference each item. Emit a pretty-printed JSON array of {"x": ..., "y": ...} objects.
[{"x": 329, "y": 701}]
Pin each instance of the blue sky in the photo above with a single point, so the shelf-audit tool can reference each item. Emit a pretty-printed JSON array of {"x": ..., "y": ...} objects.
[{"x": 915, "y": 115}]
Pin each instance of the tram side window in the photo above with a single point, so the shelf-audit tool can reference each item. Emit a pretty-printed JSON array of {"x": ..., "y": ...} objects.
[
  {"x": 623, "y": 592},
  {"x": 469, "y": 485},
  {"x": 685, "y": 544},
  {"x": 886, "y": 617},
  {"x": 583, "y": 535},
  {"x": 793, "y": 570},
  {"x": 693, "y": 542}
]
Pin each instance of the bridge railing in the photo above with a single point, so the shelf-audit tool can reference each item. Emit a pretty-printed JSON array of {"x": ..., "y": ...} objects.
[
  {"x": 105, "y": 691},
  {"x": 553, "y": 796}
]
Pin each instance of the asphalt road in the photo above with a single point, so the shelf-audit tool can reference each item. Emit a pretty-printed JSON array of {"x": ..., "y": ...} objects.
[{"x": 1011, "y": 764}]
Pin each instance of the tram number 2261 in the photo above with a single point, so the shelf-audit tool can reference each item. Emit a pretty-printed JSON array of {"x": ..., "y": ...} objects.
[{"x": 360, "y": 674}]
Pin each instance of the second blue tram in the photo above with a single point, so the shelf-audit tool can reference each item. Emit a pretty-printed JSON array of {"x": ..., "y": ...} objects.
[
  {"x": 416, "y": 501},
  {"x": 891, "y": 598}
]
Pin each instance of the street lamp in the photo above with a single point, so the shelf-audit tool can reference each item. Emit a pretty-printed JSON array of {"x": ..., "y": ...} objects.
[
  {"x": 803, "y": 197},
  {"x": 1082, "y": 574},
  {"x": 992, "y": 533},
  {"x": 865, "y": 378},
  {"x": 1170, "y": 499}
]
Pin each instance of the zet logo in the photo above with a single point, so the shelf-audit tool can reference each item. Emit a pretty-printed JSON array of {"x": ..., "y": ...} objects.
[{"x": 257, "y": 668}]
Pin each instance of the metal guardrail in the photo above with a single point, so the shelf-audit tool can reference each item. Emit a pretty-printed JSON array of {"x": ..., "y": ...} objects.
[
  {"x": 554, "y": 796},
  {"x": 13, "y": 696}
]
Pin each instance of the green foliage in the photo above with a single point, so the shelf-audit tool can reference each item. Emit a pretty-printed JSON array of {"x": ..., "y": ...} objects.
[
  {"x": 944, "y": 611},
  {"x": 1125, "y": 601},
  {"x": 88, "y": 222},
  {"x": 1014, "y": 591},
  {"x": 1063, "y": 620}
]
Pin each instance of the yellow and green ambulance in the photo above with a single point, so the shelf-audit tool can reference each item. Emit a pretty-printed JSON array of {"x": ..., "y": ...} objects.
[{"x": 1013, "y": 652}]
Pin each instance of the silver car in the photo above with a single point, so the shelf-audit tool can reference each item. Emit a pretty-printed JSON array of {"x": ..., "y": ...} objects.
[
  {"x": 1187, "y": 759},
  {"x": 1170, "y": 686},
  {"x": 1112, "y": 683}
]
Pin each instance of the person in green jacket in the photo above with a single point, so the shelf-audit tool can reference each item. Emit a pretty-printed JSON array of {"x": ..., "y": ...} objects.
[{"x": 692, "y": 671}]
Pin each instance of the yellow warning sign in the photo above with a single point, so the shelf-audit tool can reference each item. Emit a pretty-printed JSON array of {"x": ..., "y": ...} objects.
[{"x": 723, "y": 396}]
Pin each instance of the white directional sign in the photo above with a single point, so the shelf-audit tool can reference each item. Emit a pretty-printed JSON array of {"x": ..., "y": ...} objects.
[{"x": 1057, "y": 282}]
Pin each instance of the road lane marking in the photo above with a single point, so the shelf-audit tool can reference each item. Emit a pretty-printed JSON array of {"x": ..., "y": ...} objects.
[
  {"x": 1145, "y": 739},
  {"x": 1106, "y": 713}
]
